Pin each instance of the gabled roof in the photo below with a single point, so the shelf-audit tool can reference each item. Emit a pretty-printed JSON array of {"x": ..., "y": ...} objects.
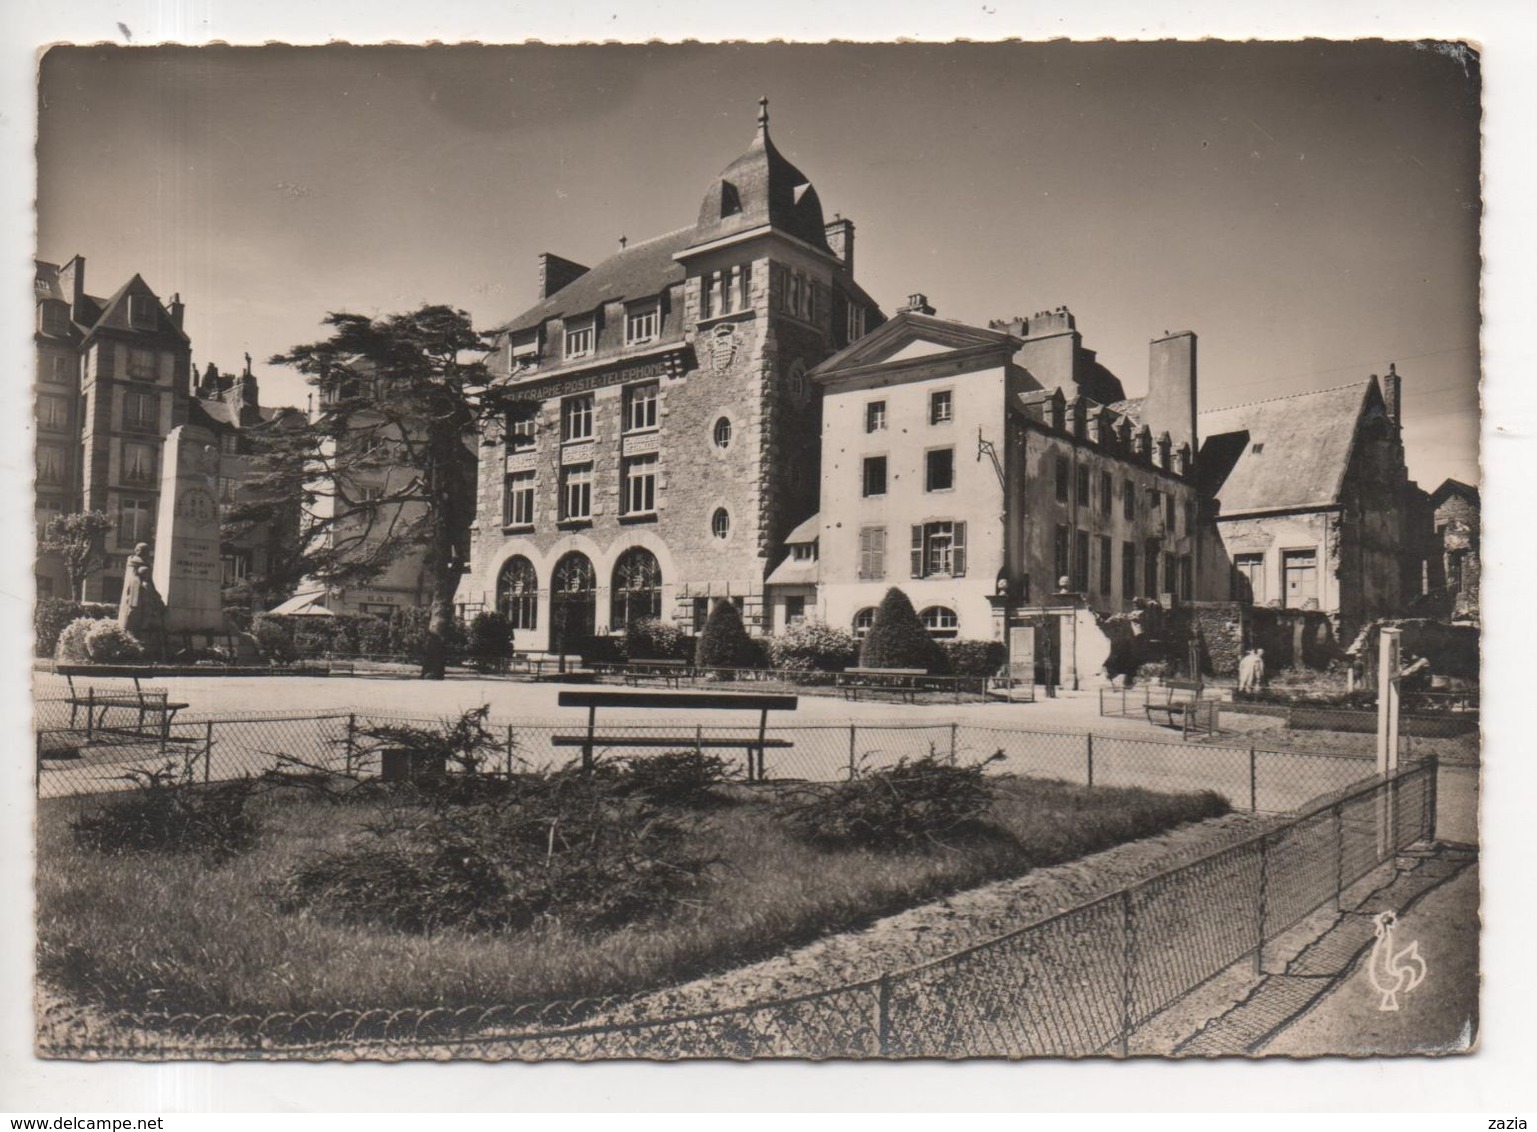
[
  {"x": 113, "y": 312},
  {"x": 906, "y": 328},
  {"x": 1288, "y": 453},
  {"x": 642, "y": 269},
  {"x": 1451, "y": 487}
]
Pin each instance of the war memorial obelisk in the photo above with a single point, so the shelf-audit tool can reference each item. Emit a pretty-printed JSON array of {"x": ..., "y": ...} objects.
[{"x": 187, "y": 567}]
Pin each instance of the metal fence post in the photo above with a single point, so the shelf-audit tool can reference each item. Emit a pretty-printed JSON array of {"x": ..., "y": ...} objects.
[
  {"x": 1339, "y": 855},
  {"x": 510, "y": 745},
  {"x": 1432, "y": 765},
  {"x": 351, "y": 748},
  {"x": 1253, "y": 780},
  {"x": 208, "y": 752},
  {"x": 953, "y": 728},
  {"x": 1089, "y": 760},
  {"x": 1264, "y": 876},
  {"x": 883, "y": 1015},
  {"x": 1128, "y": 970},
  {"x": 853, "y": 761}
]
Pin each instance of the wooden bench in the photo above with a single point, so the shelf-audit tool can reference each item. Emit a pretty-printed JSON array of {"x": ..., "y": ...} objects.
[
  {"x": 151, "y": 706},
  {"x": 1182, "y": 706},
  {"x": 902, "y": 681},
  {"x": 678, "y": 702},
  {"x": 670, "y": 672}
]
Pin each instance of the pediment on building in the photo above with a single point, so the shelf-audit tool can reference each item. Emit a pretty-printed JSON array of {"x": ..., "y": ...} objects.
[{"x": 910, "y": 337}]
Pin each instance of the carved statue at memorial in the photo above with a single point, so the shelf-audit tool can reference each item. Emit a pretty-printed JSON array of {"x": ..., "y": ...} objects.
[{"x": 141, "y": 611}]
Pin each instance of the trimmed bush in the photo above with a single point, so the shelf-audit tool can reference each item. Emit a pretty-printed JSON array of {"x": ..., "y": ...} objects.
[
  {"x": 490, "y": 640},
  {"x": 676, "y": 778},
  {"x": 974, "y": 658},
  {"x": 72, "y": 648},
  {"x": 273, "y": 640},
  {"x": 902, "y": 806},
  {"x": 724, "y": 642},
  {"x": 897, "y": 638},
  {"x": 813, "y": 646},
  {"x": 109, "y": 643},
  {"x": 51, "y": 614},
  {"x": 646, "y": 638}
]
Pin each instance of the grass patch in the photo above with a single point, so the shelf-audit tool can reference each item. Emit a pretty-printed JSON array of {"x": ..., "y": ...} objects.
[{"x": 172, "y": 932}]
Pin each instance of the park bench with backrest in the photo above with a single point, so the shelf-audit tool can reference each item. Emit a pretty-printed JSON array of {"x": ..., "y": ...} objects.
[
  {"x": 1180, "y": 705},
  {"x": 540, "y": 664},
  {"x": 901, "y": 681},
  {"x": 678, "y": 703},
  {"x": 152, "y": 708}
]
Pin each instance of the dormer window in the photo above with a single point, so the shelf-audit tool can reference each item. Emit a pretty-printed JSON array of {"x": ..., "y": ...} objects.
[
  {"x": 641, "y": 326},
  {"x": 804, "y": 552},
  {"x": 856, "y": 323},
  {"x": 142, "y": 311},
  {"x": 523, "y": 355},
  {"x": 55, "y": 318},
  {"x": 579, "y": 340}
]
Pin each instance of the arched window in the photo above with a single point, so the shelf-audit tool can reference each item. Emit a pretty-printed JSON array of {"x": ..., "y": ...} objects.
[
  {"x": 863, "y": 620},
  {"x": 637, "y": 587},
  {"x": 720, "y": 523},
  {"x": 940, "y": 621},
  {"x": 723, "y": 433},
  {"x": 573, "y": 599},
  {"x": 517, "y": 592}
]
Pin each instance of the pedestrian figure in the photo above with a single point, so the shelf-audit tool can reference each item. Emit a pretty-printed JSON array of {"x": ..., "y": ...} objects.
[
  {"x": 1246, "y": 677},
  {"x": 1259, "y": 668}
]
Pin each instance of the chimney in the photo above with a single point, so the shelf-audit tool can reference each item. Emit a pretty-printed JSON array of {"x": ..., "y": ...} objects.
[
  {"x": 917, "y": 303},
  {"x": 1393, "y": 394},
  {"x": 178, "y": 308},
  {"x": 840, "y": 238},
  {"x": 1171, "y": 388},
  {"x": 556, "y": 273},
  {"x": 72, "y": 284}
]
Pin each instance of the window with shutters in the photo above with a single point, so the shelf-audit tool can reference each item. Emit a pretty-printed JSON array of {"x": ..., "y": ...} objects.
[
  {"x": 1104, "y": 564},
  {"x": 1064, "y": 470},
  {"x": 939, "y": 550},
  {"x": 872, "y": 554},
  {"x": 1081, "y": 562},
  {"x": 1128, "y": 570}
]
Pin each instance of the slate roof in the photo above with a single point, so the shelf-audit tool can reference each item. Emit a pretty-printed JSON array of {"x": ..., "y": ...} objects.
[
  {"x": 642, "y": 269},
  {"x": 1305, "y": 442},
  {"x": 1451, "y": 487},
  {"x": 761, "y": 187},
  {"x": 226, "y": 414},
  {"x": 809, "y": 531}
]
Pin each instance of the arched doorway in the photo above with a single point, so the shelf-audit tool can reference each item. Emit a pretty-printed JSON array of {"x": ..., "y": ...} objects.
[
  {"x": 517, "y": 593},
  {"x": 573, "y": 600},
  {"x": 637, "y": 587}
]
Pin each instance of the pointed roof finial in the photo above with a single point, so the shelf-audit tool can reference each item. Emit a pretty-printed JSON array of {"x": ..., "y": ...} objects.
[{"x": 763, "y": 113}]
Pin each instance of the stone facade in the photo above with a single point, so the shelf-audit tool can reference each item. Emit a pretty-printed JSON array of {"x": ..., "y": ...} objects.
[
  {"x": 684, "y": 359},
  {"x": 112, "y": 382}
]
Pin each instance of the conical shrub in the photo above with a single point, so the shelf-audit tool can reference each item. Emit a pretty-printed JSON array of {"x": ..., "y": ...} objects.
[
  {"x": 897, "y": 638},
  {"x": 724, "y": 642}
]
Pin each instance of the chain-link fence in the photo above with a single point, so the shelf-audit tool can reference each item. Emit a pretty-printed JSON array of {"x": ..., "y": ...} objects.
[
  {"x": 1081, "y": 983},
  {"x": 217, "y": 749}
]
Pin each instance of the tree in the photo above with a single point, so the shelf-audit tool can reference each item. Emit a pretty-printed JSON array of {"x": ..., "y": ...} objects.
[
  {"x": 897, "y": 638},
  {"x": 386, "y": 468},
  {"x": 80, "y": 542}
]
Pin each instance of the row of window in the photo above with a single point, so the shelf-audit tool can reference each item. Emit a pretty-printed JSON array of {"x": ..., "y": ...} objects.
[
  {"x": 941, "y": 411},
  {"x": 578, "y": 416},
  {"x": 642, "y": 325},
  {"x": 938, "y": 472},
  {"x": 1072, "y": 561},
  {"x": 1299, "y": 578},
  {"x": 635, "y": 593},
  {"x": 795, "y": 293},
  {"x": 938, "y": 549},
  {"x": 1073, "y": 483},
  {"x": 638, "y": 476}
]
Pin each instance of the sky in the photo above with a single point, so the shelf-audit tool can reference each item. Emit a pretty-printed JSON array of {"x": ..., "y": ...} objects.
[{"x": 1310, "y": 210}]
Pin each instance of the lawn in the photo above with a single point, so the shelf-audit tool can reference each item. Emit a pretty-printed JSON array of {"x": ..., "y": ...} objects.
[{"x": 175, "y": 932}]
